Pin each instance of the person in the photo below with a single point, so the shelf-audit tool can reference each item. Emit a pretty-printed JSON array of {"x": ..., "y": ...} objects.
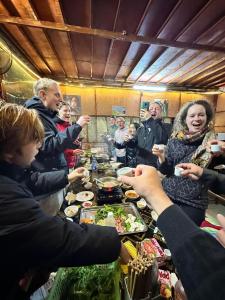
[
  {"x": 191, "y": 132},
  {"x": 46, "y": 101},
  {"x": 198, "y": 257},
  {"x": 110, "y": 135},
  {"x": 30, "y": 239},
  {"x": 152, "y": 131},
  {"x": 131, "y": 152},
  {"x": 119, "y": 138},
  {"x": 75, "y": 105},
  {"x": 63, "y": 122}
]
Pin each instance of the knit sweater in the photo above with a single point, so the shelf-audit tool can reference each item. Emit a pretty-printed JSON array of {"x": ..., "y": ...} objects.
[{"x": 182, "y": 190}]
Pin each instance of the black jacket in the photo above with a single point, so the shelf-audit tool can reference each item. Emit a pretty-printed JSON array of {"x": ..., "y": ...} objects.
[
  {"x": 214, "y": 180},
  {"x": 131, "y": 153},
  {"x": 51, "y": 155},
  {"x": 30, "y": 239},
  {"x": 198, "y": 257},
  {"x": 149, "y": 133}
]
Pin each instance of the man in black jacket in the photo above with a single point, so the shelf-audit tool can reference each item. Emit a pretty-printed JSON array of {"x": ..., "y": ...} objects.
[
  {"x": 47, "y": 97},
  {"x": 152, "y": 131},
  {"x": 199, "y": 258},
  {"x": 30, "y": 239}
]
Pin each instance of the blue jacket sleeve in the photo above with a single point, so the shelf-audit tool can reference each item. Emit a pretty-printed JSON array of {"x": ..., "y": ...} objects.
[{"x": 198, "y": 257}]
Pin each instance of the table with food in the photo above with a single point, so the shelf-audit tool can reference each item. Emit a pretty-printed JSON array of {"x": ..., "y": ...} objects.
[{"x": 101, "y": 199}]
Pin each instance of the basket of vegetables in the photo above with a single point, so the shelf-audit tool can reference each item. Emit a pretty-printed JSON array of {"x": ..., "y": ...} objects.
[{"x": 97, "y": 282}]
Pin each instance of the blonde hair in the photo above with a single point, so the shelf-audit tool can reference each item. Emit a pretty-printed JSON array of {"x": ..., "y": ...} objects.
[
  {"x": 18, "y": 127},
  {"x": 43, "y": 84}
]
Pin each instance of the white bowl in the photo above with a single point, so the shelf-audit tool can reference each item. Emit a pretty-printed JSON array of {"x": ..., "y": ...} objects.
[
  {"x": 71, "y": 211},
  {"x": 141, "y": 203}
]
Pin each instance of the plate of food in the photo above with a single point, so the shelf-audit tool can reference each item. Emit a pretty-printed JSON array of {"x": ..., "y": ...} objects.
[
  {"x": 71, "y": 211},
  {"x": 70, "y": 197},
  {"x": 127, "y": 218},
  {"x": 84, "y": 196}
]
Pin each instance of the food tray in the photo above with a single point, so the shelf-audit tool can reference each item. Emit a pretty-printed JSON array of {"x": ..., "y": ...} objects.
[{"x": 129, "y": 208}]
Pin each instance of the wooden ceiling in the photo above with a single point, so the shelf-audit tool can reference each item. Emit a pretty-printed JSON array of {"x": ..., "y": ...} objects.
[{"x": 180, "y": 43}]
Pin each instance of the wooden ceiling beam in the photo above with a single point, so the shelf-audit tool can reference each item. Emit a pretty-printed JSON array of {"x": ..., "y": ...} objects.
[{"x": 120, "y": 36}]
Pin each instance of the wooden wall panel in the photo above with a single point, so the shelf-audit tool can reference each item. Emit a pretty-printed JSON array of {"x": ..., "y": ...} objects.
[
  {"x": 185, "y": 97},
  {"x": 107, "y": 97},
  {"x": 221, "y": 103},
  {"x": 87, "y": 97},
  {"x": 220, "y": 119}
]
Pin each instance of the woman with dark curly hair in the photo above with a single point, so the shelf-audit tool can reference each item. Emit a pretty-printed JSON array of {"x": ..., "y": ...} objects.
[{"x": 193, "y": 128}]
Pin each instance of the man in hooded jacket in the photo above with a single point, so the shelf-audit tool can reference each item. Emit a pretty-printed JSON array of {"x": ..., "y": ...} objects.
[{"x": 47, "y": 97}]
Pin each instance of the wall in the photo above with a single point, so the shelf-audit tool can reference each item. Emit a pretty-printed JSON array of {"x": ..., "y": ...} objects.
[
  {"x": 99, "y": 101},
  {"x": 220, "y": 114}
]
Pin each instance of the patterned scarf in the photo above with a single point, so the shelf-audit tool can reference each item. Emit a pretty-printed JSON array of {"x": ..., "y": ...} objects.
[{"x": 201, "y": 156}]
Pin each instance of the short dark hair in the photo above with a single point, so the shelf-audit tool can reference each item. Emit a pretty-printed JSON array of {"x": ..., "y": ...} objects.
[{"x": 205, "y": 104}]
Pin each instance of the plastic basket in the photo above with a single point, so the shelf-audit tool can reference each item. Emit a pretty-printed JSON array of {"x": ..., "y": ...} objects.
[{"x": 62, "y": 283}]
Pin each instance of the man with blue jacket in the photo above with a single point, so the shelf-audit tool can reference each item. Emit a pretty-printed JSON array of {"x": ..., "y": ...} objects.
[{"x": 47, "y": 97}]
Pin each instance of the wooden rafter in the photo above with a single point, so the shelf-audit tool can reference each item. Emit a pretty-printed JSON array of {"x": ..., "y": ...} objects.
[{"x": 108, "y": 34}]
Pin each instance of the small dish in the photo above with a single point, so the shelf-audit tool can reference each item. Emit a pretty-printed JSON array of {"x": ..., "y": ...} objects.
[
  {"x": 177, "y": 171},
  {"x": 84, "y": 196},
  {"x": 141, "y": 204},
  {"x": 87, "y": 204},
  {"x": 71, "y": 211},
  {"x": 131, "y": 194}
]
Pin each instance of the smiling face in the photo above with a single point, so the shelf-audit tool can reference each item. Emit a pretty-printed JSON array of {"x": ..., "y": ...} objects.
[
  {"x": 132, "y": 130},
  {"x": 196, "y": 118},
  {"x": 51, "y": 97},
  {"x": 64, "y": 113},
  {"x": 120, "y": 123},
  {"x": 155, "y": 111}
]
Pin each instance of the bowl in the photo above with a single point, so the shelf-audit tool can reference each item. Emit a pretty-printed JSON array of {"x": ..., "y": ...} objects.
[
  {"x": 87, "y": 204},
  {"x": 71, "y": 211},
  {"x": 131, "y": 194},
  {"x": 126, "y": 171},
  {"x": 141, "y": 204}
]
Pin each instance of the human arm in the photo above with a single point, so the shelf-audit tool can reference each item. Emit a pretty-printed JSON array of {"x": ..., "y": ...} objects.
[
  {"x": 62, "y": 140},
  {"x": 198, "y": 257},
  {"x": 49, "y": 182},
  {"x": 166, "y": 158},
  {"x": 213, "y": 179},
  {"x": 44, "y": 241}
]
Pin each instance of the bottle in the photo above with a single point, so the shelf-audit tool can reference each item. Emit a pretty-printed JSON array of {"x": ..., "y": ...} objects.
[
  {"x": 110, "y": 220},
  {"x": 94, "y": 164}
]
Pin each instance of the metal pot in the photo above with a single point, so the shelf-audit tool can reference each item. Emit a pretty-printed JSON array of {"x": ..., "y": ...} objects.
[{"x": 108, "y": 184}]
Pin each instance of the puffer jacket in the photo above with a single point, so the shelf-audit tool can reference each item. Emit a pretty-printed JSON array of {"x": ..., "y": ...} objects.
[{"x": 51, "y": 155}]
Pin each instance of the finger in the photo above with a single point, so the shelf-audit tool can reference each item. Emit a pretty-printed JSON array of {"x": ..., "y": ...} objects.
[
  {"x": 184, "y": 165},
  {"x": 127, "y": 180},
  {"x": 221, "y": 220},
  {"x": 221, "y": 237}
]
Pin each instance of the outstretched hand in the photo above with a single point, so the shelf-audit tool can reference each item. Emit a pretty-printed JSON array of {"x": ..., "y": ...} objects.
[
  {"x": 191, "y": 170},
  {"x": 146, "y": 183}
]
